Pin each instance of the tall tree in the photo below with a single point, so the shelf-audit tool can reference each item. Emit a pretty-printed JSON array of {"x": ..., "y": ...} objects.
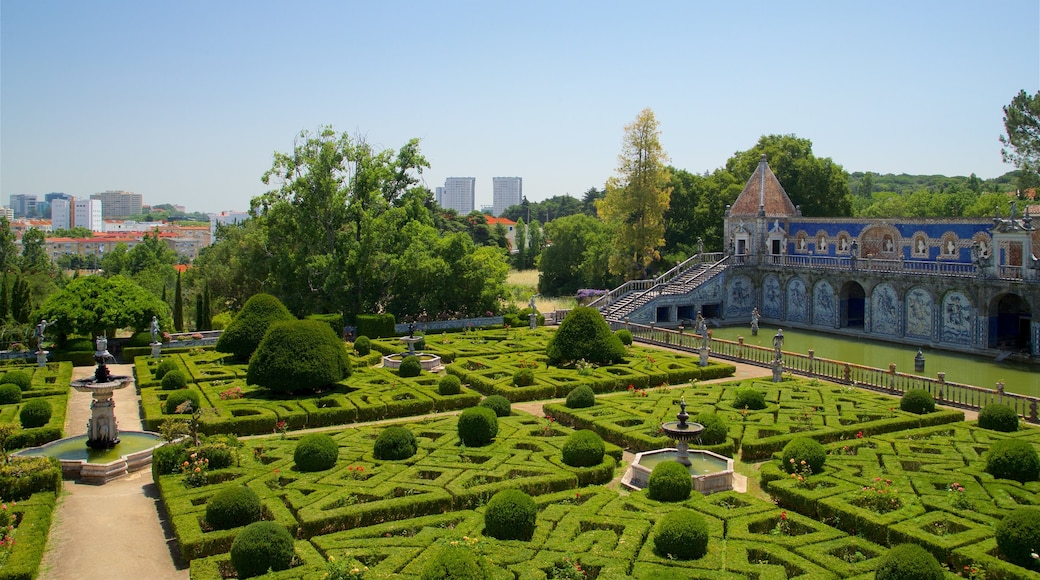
[
  {"x": 1022, "y": 142},
  {"x": 34, "y": 251},
  {"x": 207, "y": 313},
  {"x": 8, "y": 249},
  {"x": 5, "y": 299},
  {"x": 520, "y": 234},
  {"x": 178, "y": 306},
  {"x": 21, "y": 299},
  {"x": 198, "y": 312},
  {"x": 534, "y": 243},
  {"x": 577, "y": 258},
  {"x": 637, "y": 198}
]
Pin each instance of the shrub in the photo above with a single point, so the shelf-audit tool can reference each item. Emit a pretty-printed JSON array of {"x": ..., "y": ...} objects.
[
  {"x": 298, "y": 355},
  {"x": 315, "y": 452},
  {"x": 449, "y": 385},
  {"x": 681, "y": 534},
  {"x": 35, "y": 413},
  {"x": 715, "y": 428},
  {"x": 751, "y": 399},
  {"x": 583, "y": 449},
  {"x": 499, "y": 404},
  {"x": 177, "y": 398},
  {"x": 1018, "y": 536},
  {"x": 363, "y": 345},
  {"x": 477, "y": 426},
  {"x": 625, "y": 336},
  {"x": 218, "y": 455},
  {"x": 584, "y": 334},
  {"x": 166, "y": 365},
  {"x": 232, "y": 507},
  {"x": 376, "y": 325},
  {"x": 243, "y": 336},
  {"x": 173, "y": 380},
  {"x": 523, "y": 378},
  {"x": 804, "y": 449},
  {"x": 395, "y": 443},
  {"x": 908, "y": 562},
  {"x": 669, "y": 481},
  {"x": 1013, "y": 459},
  {"x": 260, "y": 547},
  {"x": 510, "y": 515},
  {"x": 10, "y": 394},
  {"x": 456, "y": 563},
  {"x": 998, "y": 417},
  {"x": 410, "y": 367},
  {"x": 581, "y": 397},
  {"x": 168, "y": 458},
  {"x": 917, "y": 401},
  {"x": 21, "y": 378}
]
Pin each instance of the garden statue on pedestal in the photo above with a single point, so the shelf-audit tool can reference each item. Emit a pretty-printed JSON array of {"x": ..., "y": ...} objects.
[
  {"x": 778, "y": 365},
  {"x": 41, "y": 355},
  {"x": 533, "y": 316},
  {"x": 702, "y": 330},
  {"x": 156, "y": 344},
  {"x": 754, "y": 321}
]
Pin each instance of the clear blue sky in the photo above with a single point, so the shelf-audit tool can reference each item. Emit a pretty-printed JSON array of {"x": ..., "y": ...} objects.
[{"x": 185, "y": 102}]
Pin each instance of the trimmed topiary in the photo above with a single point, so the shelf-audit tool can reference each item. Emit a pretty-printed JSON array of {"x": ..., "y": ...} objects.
[
  {"x": 177, "y": 398},
  {"x": 10, "y": 394},
  {"x": 35, "y": 413},
  {"x": 804, "y": 451},
  {"x": 1018, "y": 536},
  {"x": 395, "y": 443},
  {"x": 21, "y": 378},
  {"x": 1013, "y": 459},
  {"x": 477, "y": 426},
  {"x": 173, "y": 380},
  {"x": 499, "y": 404},
  {"x": 917, "y": 401},
  {"x": 583, "y": 449},
  {"x": 218, "y": 455},
  {"x": 682, "y": 535},
  {"x": 449, "y": 385},
  {"x": 581, "y": 397},
  {"x": 751, "y": 399},
  {"x": 260, "y": 547},
  {"x": 456, "y": 562},
  {"x": 908, "y": 562},
  {"x": 243, "y": 336},
  {"x": 523, "y": 378},
  {"x": 410, "y": 367},
  {"x": 232, "y": 507},
  {"x": 625, "y": 336},
  {"x": 164, "y": 366},
  {"x": 715, "y": 429},
  {"x": 669, "y": 481},
  {"x": 316, "y": 452},
  {"x": 510, "y": 515},
  {"x": 299, "y": 355},
  {"x": 998, "y": 417},
  {"x": 584, "y": 334},
  {"x": 363, "y": 345}
]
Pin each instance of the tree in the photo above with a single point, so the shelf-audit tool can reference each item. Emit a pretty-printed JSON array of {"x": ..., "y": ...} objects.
[
  {"x": 34, "y": 251},
  {"x": 534, "y": 245},
  {"x": 198, "y": 312},
  {"x": 245, "y": 332},
  {"x": 21, "y": 299},
  {"x": 637, "y": 198},
  {"x": 298, "y": 355},
  {"x": 178, "y": 306},
  {"x": 1022, "y": 142},
  {"x": 5, "y": 299},
  {"x": 8, "y": 249},
  {"x": 520, "y": 234},
  {"x": 207, "y": 313},
  {"x": 588, "y": 201},
  {"x": 96, "y": 305},
  {"x": 577, "y": 258}
]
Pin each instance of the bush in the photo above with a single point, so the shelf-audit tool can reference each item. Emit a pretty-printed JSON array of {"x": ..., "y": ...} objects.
[
  {"x": 583, "y": 449},
  {"x": 395, "y": 443},
  {"x": 581, "y": 397},
  {"x": 499, "y": 404},
  {"x": 523, "y": 378},
  {"x": 804, "y": 449},
  {"x": 625, "y": 336},
  {"x": 260, "y": 547},
  {"x": 410, "y": 367},
  {"x": 363, "y": 345},
  {"x": 477, "y": 426},
  {"x": 449, "y": 385},
  {"x": 173, "y": 380},
  {"x": 315, "y": 452},
  {"x": 232, "y": 507},
  {"x": 998, "y": 417},
  {"x": 35, "y": 413},
  {"x": 243, "y": 336},
  {"x": 177, "y": 398},
  {"x": 510, "y": 515},
  {"x": 917, "y": 401},
  {"x": 908, "y": 562},
  {"x": 584, "y": 334},
  {"x": 219, "y": 455},
  {"x": 1013, "y": 459},
  {"x": 1018, "y": 536},
  {"x": 376, "y": 325},
  {"x": 751, "y": 399},
  {"x": 10, "y": 394},
  {"x": 166, "y": 365},
  {"x": 669, "y": 481},
  {"x": 715, "y": 429},
  {"x": 298, "y": 355},
  {"x": 21, "y": 378},
  {"x": 681, "y": 534},
  {"x": 168, "y": 458},
  {"x": 456, "y": 563}
]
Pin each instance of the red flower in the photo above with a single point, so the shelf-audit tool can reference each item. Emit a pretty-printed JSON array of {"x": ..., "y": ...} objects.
[
  {"x": 859, "y": 435},
  {"x": 783, "y": 515}
]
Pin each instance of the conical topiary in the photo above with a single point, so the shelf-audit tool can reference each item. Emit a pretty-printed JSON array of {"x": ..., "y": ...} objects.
[
  {"x": 243, "y": 335},
  {"x": 584, "y": 334}
]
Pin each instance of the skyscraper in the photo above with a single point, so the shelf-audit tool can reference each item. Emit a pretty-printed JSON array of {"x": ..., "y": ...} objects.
[
  {"x": 507, "y": 191},
  {"x": 459, "y": 194},
  {"x": 61, "y": 214},
  {"x": 24, "y": 205},
  {"x": 116, "y": 204}
]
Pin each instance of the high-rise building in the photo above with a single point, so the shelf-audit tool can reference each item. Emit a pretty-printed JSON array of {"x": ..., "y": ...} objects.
[
  {"x": 459, "y": 194},
  {"x": 61, "y": 214},
  {"x": 438, "y": 195},
  {"x": 23, "y": 204},
  {"x": 117, "y": 204},
  {"x": 50, "y": 197},
  {"x": 87, "y": 213},
  {"x": 506, "y": 192}
]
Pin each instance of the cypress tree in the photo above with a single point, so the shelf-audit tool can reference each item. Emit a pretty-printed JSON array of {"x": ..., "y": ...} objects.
[
  {"x": 198, "y": 312},
  {"x": 207, "y": 318},
  {"x": 5, "y": 299},
  {"x": 178, "y": 306},
  {"x": 164, "y": 292},
  {"x": 21, "y": 300}
]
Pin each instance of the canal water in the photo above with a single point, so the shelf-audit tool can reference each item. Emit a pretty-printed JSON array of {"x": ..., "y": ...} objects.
[{"x": 959, "y": 368}]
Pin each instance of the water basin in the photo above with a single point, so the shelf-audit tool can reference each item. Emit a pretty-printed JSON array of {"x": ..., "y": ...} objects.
[
  {"x": 133, "y": 452},
  {"x": 709, "y": 471}
]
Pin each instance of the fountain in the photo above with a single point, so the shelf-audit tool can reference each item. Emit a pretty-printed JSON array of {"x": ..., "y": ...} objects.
[
  {"x": 102, "y": 431},
  {"x": 429, "y": 362}
]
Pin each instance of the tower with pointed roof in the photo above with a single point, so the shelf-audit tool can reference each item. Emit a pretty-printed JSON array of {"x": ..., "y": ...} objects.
[{"x": 756, "y": 222}]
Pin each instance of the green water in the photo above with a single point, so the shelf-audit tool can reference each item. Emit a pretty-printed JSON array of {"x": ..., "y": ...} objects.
[
  {"x": 699, "y": 464},
  {"x": 75, "y": 448},
  {"x": 959, "y": 368}
]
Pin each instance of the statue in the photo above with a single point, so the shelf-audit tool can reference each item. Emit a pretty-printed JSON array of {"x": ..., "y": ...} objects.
[
  {"x": 530, "y": 303},
  {"x": 754, "y": 321},
  {"x": 702, "y": 329},
  {"x": 411, "y": 329},
  {"x": 778, "y": 343},
  {"x": 102, "y": 344},
  {"x": 40, "y": 329},
  {"x": 155, "y": 329}
]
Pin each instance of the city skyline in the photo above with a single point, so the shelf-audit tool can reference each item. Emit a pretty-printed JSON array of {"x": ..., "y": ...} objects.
[{"x": 186, "y": 103}]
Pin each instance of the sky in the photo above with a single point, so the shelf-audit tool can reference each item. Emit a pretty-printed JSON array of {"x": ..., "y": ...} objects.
[{"x": 186, "y": 102}]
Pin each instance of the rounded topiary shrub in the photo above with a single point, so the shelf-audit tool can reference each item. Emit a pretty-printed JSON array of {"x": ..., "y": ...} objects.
[
  {"x": 177, "y": 398},
  {"x": 625, "y": 336},
  {"x": 477, "y": 426},
  {"x": 669, "y": 481},
  {"x": 242, "y": 337},
  {"x": 998, "y": 417},
  {"x": 583, "y": 448},
  {"x": 449, "y": 385},
  {"x": 1018, "y": 536},
  {"x": 510, "y": 515},
  {"x": 804, "y": 451},
  {"x": 218, "y": 455},
  {"x": 499, "y": 404},
  {"x": 410, "y": 367},
  {"x": 715, "y": 428},
  {"x": 584, "y": 334},
  {"x": 751, "y": 399},
  {"x": 35, "y": 413},
  {"x": 581, "y": 397},
  {"x": 917, "y": 401},
  {"x": 260, "y": 547},
  {"x": 299, "y": 355},
  {"x": 456, "y": 563},
  {"x": 164, "y": 366},
  {"x": 523, "y": 378},
  {"x": 682, "y": 535},
  {"x": 21, "y": 378},
  {"x": 232, "y": 507},
  {"x": 173, "y": 380},
  {"x": 395, "y": 443},
  {"x": 363, "y": 345},
  {"x": 1013, "y": 459},
  {"x": 908, "y": 562},
  {"x": 315, "y": 452},
  {"x": 10, "y": 394}
]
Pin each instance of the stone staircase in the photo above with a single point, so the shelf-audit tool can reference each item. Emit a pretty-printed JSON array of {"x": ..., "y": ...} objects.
[{"x": 632, "y": 295}]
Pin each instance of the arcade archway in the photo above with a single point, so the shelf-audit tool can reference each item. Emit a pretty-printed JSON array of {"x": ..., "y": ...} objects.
[
  {"x": 1009, "y": 321},
  {"x": 853, "y": 305}
]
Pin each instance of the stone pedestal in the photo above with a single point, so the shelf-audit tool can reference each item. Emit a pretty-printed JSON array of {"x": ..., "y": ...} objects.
[
  {"x": 156, "y": 348},
  {"x": 704, "y": 351},
  {"x": 410, "y": 341},
  {"x": 41, "y": 357},
  {"x": 778, "y": 371},
  {"x": 534, "y": 320},
  {"x": 102, "y": 431}
]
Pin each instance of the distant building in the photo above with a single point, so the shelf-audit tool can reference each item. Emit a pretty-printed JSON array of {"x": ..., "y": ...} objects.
[
  {"x": 23, "y": 204},
  {"x": 116, "y": 204},
  {"x": 438, "y": 196},
  {"x": 459, "y": 194},
  {"x": 510, "y": 227},
  {"x": 86, "y": 213},
  {"x": 225, "y": 218},
  {"x": 8, "y": 213},
  {"x": 61, "y": 214},
  {"x": 506, "y": 192},
  {"x": 50, "y": 197}
]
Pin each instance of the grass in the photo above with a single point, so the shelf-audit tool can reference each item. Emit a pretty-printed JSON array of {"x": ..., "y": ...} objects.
[{"x": 521, "y": 284}]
